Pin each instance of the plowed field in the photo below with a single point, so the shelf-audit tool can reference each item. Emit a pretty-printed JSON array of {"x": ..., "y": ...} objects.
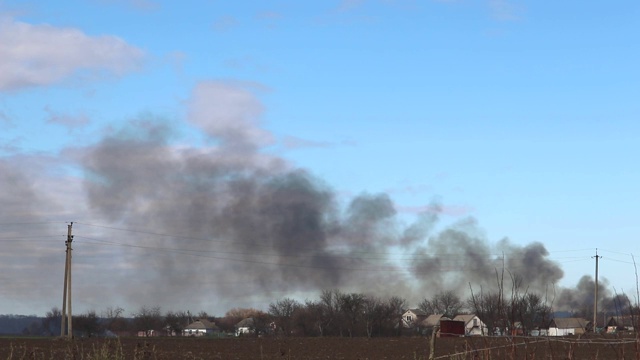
[{"x": 414, "y": 348}]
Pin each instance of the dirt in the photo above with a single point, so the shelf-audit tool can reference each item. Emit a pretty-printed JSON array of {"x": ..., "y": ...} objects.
[{"x": 250, "y": 348}]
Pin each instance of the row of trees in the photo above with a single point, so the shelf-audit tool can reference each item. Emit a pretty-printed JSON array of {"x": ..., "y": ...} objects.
[
  {"x": 334, "y": 313},
  {"x": 113, "y": 321},
  {"x": 339, "y": 314}
]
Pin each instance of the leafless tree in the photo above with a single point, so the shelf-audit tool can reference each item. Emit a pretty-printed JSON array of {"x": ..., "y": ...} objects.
[
  {"x": 115, "y": 320},
  {"x": 176, "y": 321},
  {"x": 148, "y": 319},
  {"x": 351, "y": 308},
  {"x": 371, "y": 308},
  {"x": 51, "y": 321},
  {"x": 445, "y": 302},
  {"x": 88, "y": 324},
  {"x": 396, "y": 306},
  {"x": 282, "y": 312}
]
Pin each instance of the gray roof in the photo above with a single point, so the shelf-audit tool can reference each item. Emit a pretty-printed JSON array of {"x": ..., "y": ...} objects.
[
  {"x": 418, "y": 312},
  {"x": 201, "y": 324},
  {"x": 464, "y": 317},
  {"x": 622, "y": 321},
  {"x": 433, "y": 320},
  {"x": 248, "y": 322}
]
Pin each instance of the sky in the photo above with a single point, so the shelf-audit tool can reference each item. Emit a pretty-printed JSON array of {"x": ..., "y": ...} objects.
[{"x": 216, "y": 154}]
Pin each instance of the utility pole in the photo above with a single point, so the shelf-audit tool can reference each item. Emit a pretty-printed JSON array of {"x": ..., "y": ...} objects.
[
  {"x": 595, "y": 298},
  {"x": 66, "y": 292}
]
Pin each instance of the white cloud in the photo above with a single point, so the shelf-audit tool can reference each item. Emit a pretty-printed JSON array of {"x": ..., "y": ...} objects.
[
  {"x": 40, "y": 55},
  {"x": 230, "y": 113}
]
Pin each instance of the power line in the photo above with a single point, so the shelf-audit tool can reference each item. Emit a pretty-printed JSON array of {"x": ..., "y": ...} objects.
[
  {"x": 444, "y": 266},
  {"x": 293, "y": 248},
  {"x": 22, "y": 238}
]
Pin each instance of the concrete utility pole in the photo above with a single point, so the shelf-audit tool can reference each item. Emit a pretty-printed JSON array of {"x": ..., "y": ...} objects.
[
  {"x": 595, "y": 296},
  {"x": 66, "y": 292}
]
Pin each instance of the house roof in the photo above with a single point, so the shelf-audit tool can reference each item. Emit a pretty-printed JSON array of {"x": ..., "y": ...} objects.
[
  {"x": 625, "y": 320},
  {"x": 248, "y": 322},
  {"x": 569, "y": 323},
  {"x": 465, "y": 317},
  {"x": 417, "y": 312},
  {"x": 433, "y": 320},
  {"x": 201, "y": 324}
]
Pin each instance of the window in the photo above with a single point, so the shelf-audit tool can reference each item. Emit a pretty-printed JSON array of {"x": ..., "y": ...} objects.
[{"x": 408, "y": 318}]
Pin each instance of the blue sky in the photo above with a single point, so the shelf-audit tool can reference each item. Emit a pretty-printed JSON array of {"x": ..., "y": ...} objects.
[{"x": 520, "y": 115}]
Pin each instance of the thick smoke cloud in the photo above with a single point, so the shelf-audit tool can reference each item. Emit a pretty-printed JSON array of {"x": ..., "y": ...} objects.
[
  {"x": 225, "y": 223},
  {"x": 254, "y": 224},
  {"x": 30, "y": 254}
]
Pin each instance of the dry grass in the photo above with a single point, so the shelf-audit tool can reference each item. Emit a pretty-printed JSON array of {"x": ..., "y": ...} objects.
[{"x": 474, "y": 348}]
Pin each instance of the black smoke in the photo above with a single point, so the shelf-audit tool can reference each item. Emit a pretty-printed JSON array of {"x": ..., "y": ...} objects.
[{"x": 229, "y": 220}]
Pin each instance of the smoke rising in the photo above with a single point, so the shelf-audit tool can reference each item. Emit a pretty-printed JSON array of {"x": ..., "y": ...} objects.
[
  {"x": 264, "y": 226},
  {"x": 225, "y": 223}
]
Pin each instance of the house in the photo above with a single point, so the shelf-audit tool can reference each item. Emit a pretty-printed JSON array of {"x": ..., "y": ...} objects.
[
  {"x": 473, "y": 326},
  {"x": 200, "y": 327},
  {"x": 427, "y": 325},
  {"x": 246, "y": 326},
  {"x": 622, "y": 323},
  {"x": 413, "y": 317},
  {"x": 568, "y": 326},
  {"x": 148, "y": 333}
]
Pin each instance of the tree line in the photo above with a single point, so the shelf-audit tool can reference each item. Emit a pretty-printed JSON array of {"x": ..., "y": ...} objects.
[{"x": 333, "y": 313}]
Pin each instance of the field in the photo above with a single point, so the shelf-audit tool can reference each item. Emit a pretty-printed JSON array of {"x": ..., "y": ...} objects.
[{"x": 415, "y": 348}]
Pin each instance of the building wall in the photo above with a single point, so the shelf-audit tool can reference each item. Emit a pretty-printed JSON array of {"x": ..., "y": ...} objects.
[{"x": 554, "y": 331}]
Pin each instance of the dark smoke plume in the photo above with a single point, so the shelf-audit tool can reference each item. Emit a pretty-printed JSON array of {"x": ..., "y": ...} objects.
[{"x": 257, "y": 226}]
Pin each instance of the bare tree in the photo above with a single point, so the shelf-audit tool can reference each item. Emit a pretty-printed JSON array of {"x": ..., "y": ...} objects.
[
  {"x": 445, "y": 302},
  {"x": 282, "y": 312},
  {"x": 148, "y": 320},
  {"x": 488, "y": 307},
  {"x": 396, "y": 306},
  {"x": 373, "y": 314},
  {"x": 351, "y": 306},
  {"x": 51, "y": 321},
  {"x": 329, "y": 307},
  {"x": 88, "y": 324},
  {"x": 319, "y": 315},
  {"x": 115, "y": 320},
  {"x": 176, "y": 322}
]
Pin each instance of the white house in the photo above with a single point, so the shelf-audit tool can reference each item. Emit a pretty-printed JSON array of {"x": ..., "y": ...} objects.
[
  {"x": 200, "y": 327},
  {"x": 568, "y": 326},
  {"x": 473, "y": 326},
  {"x": 622, "y": 323},
  {"x": 246, "y": 326},
  {"x": 413, "y": 317}
]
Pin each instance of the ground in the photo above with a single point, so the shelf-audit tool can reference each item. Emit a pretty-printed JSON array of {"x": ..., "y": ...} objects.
[{"x": 250, "y": 348}]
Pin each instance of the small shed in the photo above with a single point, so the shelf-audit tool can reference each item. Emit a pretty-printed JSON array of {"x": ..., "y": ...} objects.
[{"x": 451, "y": 328}]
